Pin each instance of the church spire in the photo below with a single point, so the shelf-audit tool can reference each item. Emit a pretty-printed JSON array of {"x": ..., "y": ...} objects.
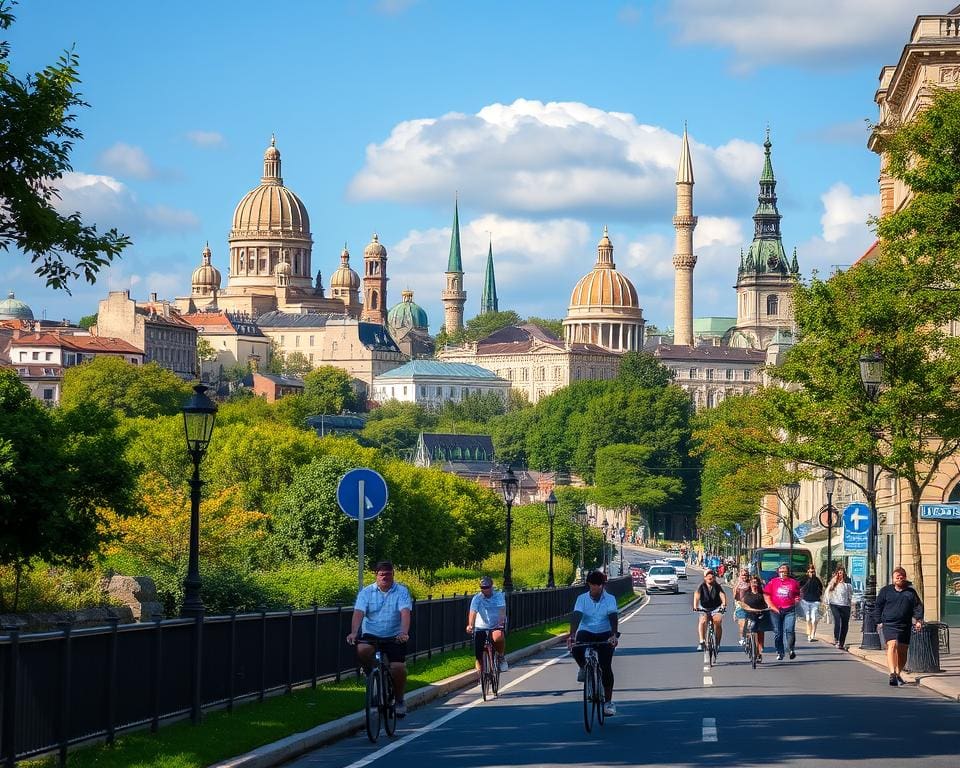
[
  {"x": 766, "y": 253},
  {"x": 488, "y": 299},
  {"x": 454, "y": 263},
  {"x": 453, "y": 296}
]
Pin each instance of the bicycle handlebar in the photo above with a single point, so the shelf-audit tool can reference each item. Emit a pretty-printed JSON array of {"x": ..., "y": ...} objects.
[{"x": 710, "y": 611}]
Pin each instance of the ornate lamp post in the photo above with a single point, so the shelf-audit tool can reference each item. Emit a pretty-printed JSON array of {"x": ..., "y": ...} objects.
[
  {"x": 582, "y": 519},
  {"x": 199, "y": 414},
  {"x": 871, "y": 376},
  {"x": 606, "y": 527},
  {"x": 509, "y": 485},
  {"x": 793, "y": 493},
  {"x": 829, "y": 484},
  {"x": 621, "y": 534},
  {"x": 551, "y": 503}
]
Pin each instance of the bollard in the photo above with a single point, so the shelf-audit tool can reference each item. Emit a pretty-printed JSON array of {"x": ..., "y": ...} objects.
[{"x": 923, "y": 654}]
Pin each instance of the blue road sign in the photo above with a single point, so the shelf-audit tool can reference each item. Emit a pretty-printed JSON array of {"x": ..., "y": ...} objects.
[
  {"x": 374, "y": 492},
  {"x": 856, "y": 527}
]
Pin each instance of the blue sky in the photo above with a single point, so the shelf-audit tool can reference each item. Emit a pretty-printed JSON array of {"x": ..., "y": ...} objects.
[{"x": 551, "y": 120}]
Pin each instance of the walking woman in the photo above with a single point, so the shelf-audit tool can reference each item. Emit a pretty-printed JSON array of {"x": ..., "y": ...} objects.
[
  {"x": 839, "y": 596},
  {"x": 898, "y": 609},
  {"x": 811, "y": 591}
]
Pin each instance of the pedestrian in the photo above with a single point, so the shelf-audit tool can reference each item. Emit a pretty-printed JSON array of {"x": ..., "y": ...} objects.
[
  {"x": 782, "y": 594},
  {"x": 811, "y": 592},
  {"x": 898, "y": 607},
  {"x": 839, "y": 596}
]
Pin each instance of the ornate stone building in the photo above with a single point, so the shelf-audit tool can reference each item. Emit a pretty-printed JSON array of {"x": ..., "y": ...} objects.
[{"x": 409, "y": 327}]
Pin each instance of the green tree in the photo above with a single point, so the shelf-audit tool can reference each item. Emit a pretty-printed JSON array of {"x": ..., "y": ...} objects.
[
  {"x": 87, "y": 321},
  {"x": 296, "y": 364},
  {"x": 551, "y": 326},
  {"x": 37, "y": 115},
  {"x": 394, "y": 427},
  {"x": 642, "y": 369},
  {"x": 481, "y": 326},
  {"x": 329, "y": 389},
  {"x": 60, "y": 472},
  {"x": 133, "y": 390},
  {"x": 624, "y": 480}
]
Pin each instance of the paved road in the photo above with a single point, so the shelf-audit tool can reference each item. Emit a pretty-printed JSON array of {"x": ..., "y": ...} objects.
[{"x": 824, "y": 709}]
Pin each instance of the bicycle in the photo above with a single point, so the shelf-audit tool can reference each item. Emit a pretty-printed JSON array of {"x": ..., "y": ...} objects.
[
  {"x": 710, "y": 644},
  {"x": 751, "y": 645},
  {"x": 592, "y": 686},
  {"x": 380, "y": 705},
  {"x": 489, "y": 666}
]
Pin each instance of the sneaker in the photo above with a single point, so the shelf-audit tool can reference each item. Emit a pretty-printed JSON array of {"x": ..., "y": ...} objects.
[
  {"x": 504, "y": 667},
  {"x": 760, "y": 658},
  {"x": 581, "y": 675},
  {"x": 901, "y": 681},
  {"x": 609, "y": 709},
  {"x": 893, "y": 680},
  {"x": 741, "y": 641},
  {"x": 779, "y": 657},
  {"x": 792, "y": 655},
  {"x": 699, "y": 646},
  {"x": 400, "y": 708}
]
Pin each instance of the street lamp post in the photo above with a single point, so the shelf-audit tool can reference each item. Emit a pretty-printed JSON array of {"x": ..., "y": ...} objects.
[
  {"x": 199, "y": 414},
  {"x": 871, "y": 376},
  {"x": 606, "y": 527},
  {"x": 581, "y": 515},
  {"x": 829, "y": 483},
  {"x": 509, "y": 485},
  {"x": 551, "y": 513},
  {"x": 793, "y": 493}
]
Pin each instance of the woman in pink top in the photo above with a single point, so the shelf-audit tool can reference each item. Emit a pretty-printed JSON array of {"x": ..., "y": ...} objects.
[{"x": 782, "y": 594}]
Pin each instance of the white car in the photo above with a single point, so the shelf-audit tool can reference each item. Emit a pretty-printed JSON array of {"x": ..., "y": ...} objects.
[
  {"x": 663, "y": 578},
  {"x": 680, "y": 565}
]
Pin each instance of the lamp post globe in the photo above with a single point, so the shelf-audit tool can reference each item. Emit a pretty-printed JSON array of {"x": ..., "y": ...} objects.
[
  {"x": 551, "y": 504},
  {"x": 871, "y": 377},
  {"x": 199, "y": 415},
  {"x": 509, "y": 486},
  {"x": 793, "y": 493}
]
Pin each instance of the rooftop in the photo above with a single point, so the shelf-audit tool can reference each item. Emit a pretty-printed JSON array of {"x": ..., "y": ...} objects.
[{"x": 436, "y": 369}]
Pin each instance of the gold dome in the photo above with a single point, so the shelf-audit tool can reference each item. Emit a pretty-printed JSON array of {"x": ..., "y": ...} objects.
[
  {"x": 271, "y": 208},
  {"x": 206, "y": 276},
  {"x": 604, "y": 286},
  {"x": 375, "y": 248},
  {"x": 345, "y": 277}
]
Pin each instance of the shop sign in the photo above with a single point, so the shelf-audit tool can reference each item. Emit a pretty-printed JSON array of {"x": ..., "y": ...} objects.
[{"x": 940, "y": 511}]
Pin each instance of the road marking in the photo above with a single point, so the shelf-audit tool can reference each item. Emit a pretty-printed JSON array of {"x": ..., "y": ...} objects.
[
  {"x": 709, "y": 729},
  {"x": 423, "y": 730},
  {"x": 706, "y": 668},
  {"x": 707, "y": 680}
]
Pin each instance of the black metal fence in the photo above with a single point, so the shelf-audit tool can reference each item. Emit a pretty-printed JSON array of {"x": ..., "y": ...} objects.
[{"x": 71, "y": 685}]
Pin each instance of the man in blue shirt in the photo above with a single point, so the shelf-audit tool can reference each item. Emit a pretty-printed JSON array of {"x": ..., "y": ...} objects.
[
  {"x": 382, "y": 613},
  {"x": 487, "y": 614},
  {"x": 594, "y": 620}
]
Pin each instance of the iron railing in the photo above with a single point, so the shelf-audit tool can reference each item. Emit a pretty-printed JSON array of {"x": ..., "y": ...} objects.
[{"x": 72, "y": 685}]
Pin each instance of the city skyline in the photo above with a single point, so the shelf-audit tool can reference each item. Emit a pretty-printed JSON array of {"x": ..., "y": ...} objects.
[{"x": 549, "y": 122}]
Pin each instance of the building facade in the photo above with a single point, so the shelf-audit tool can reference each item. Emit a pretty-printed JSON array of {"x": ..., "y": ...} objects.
[
  {"x": 236, "y": 340},
  {"x": 431, "y": 383}
]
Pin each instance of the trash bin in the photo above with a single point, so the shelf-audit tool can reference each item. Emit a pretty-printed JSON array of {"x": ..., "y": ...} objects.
[{"x": 924, "y": 653}]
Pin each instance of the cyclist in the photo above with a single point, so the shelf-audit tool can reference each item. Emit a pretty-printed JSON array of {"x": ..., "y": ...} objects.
[
  {"x": 594, "y": 620},
  {"x": 710, "y": 597},
  {"x": 487, "y": 614},
  {"x": 382, "y": 614},
  {"x": 742, "y": 587},
  {"x": 754, "y": 605}
]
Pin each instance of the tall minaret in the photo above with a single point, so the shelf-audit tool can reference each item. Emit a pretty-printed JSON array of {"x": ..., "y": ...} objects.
[
  {"x": 683, "y": 258},
  {"x": 453, "y": 296},
  {"x": 488, "y": 299}
]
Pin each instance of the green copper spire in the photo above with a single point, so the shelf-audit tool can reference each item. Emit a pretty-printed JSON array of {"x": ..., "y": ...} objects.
[
  {"x": 767, "y": 174},
  {"x": 765, "y": 254},
  {"x": 795, "y": 265},
  {"x": 454, "y": 263},
  {"x": 488, "y": 299}
]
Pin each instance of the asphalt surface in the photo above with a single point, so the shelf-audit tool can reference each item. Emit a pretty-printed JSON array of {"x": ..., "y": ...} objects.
[{"x": 825, "y": 708}]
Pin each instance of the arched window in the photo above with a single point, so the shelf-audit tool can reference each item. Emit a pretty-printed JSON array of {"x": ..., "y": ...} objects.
[
  {"x": 773, "y": 304},
  {"x": 374, "y": 300}
]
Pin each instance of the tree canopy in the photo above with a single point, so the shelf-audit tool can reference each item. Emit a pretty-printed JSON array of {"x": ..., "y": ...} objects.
[{"x": 133, "y": 390}]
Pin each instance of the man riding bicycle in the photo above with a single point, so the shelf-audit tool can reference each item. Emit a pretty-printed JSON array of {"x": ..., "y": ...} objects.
[
  {"x": 381, "y": 615},
  {"x": 487, "y": 616},
  {"x": 594, "y": 620},
  {"x": 711, "y": 598}
]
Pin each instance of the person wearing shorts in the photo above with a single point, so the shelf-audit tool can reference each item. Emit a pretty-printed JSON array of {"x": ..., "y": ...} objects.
[
  {"x": 381, "y": 614},
  {"x": 898, "y": 610},
  {"x": 488, "y": 615},
  {"x": 811, "y": 593}
]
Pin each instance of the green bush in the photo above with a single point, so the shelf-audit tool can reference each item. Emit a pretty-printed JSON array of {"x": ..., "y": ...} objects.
[
  {"x": 531, "y": 567},
  {"x": 302, "y": 585},
  {"x": 46, "y": 589}
]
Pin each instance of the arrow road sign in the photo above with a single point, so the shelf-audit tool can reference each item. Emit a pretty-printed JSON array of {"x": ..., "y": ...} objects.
[
  {"x": 856, "y": 527},
  {"x": 374, "y": 493}
]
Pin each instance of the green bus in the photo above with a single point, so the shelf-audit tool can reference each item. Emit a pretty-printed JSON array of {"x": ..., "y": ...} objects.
[{"x": 765, "y": 561}]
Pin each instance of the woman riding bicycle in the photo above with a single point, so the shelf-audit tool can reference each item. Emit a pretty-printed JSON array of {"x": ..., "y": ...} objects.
[
  {"x": 755, "y": 608},
  {"x": 594, "y": 620}
]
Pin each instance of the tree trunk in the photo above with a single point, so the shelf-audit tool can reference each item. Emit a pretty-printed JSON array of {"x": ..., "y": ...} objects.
[{"x": 916, "y": 568}]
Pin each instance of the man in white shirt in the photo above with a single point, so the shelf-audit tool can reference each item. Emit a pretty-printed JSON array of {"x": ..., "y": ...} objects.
[
  {"x": 488, "y": 614},
  {"x": 594, "y": 620}
]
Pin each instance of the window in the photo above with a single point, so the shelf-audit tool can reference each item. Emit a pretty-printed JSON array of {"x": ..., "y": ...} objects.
[
  {"x": 746, "y": 375},
  {"x": 423, "y": 391},
  {"x": 311, "y": 357},
  {"x": 709, "y": 374},
  {"x": 296, "y": 341},
  {"x": 711, "y": 399},
  {"x": 773, "y": 304},
  {"x": 47, "y": 394},
  {"x": 48, "y": 355},
  {"x": 23, "y": 356},
  {"x": 36, "y": 355},
  {"x": 311, "y": 341},
  {"x": 694, "y": 373},
  {"x": 404, "y": 390},
  {"x": 439, "y": 391},
  {"x": 729, "y": 374}
]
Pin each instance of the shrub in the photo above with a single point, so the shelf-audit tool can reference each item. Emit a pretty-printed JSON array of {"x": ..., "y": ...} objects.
[
  {"x": 45, "y": 589},
  {"x": 531, "y": 567}
]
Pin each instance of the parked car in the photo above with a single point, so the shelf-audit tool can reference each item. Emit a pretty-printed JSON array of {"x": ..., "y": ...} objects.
[
  {"x": 680, "y": 565},
  {"x": 663, "y": 578}
]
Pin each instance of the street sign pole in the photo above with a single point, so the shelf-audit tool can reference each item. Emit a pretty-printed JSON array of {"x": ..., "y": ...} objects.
[{"x": 360, "y": 516}]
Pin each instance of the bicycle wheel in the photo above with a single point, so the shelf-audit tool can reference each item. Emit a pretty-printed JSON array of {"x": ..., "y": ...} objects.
[
  {"x": 752, "y": 642},
  {"x": 495, "y": 678},
  {"x": 587, "y": 698},
  {"x": 389, "y": 706},
  {"x": 598, "y": 693},
  {"x": 485, "y": 673},
  {"x": 374, "y": 690}
]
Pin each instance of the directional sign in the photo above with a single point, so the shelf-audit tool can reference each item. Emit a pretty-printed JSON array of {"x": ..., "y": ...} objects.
[
  {"x": 374, "y": 493},
  {"x": 858, "y": 572},
  {"x": 856, "y": 527}
]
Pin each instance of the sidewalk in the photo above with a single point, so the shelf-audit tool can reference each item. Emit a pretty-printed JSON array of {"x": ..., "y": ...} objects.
[{"x": 946, "y": 682}]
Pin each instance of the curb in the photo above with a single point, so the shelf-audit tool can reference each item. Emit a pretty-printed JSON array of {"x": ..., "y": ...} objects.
[
  {"x": 938, "y": 685},
  {"x": 299, "y": 743}
]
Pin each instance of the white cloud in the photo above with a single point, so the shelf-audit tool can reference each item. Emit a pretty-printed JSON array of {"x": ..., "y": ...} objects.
[
  {"x": 127, "y": 160},
  {"x": 205, "y": 138},
  {"x": 815, "y": 33},
  {"x": 844, "y": 212},
  {"x": 717, "y": 230},
  {"x": 108, "y": 203},
  {"x": 551, "y": 159}
]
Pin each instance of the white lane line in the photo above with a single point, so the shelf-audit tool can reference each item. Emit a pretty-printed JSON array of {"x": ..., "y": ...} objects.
[
  {"x": 422, "y": 731},
  {"x": 709, "y": 729},
  {"x": 707, "y": 680},
  {"x": 706, "y": 668}
]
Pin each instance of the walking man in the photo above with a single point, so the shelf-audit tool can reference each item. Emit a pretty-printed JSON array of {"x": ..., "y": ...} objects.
[{"x": 898, "y": 609}]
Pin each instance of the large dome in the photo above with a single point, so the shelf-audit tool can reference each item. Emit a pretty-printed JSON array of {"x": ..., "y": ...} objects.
[
  {"x": 407, "y": 314},
  {"x": 11, "y": 308},
  {"x": 604, "y": 286},
  {"x": 271, "y": 208}
]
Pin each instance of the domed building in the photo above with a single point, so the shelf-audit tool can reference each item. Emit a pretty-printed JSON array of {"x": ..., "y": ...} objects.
[
  {"x": 11, "y": 308},
  {"x": 206, "y": 277},
  {"x": 604, "y": 306},
  {"x": 408, "y": 324},
  {"x": 345, "y": 284}
]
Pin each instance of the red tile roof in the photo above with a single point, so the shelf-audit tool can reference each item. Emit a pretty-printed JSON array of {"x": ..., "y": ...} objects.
[{"x": 92, "y": 344}]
